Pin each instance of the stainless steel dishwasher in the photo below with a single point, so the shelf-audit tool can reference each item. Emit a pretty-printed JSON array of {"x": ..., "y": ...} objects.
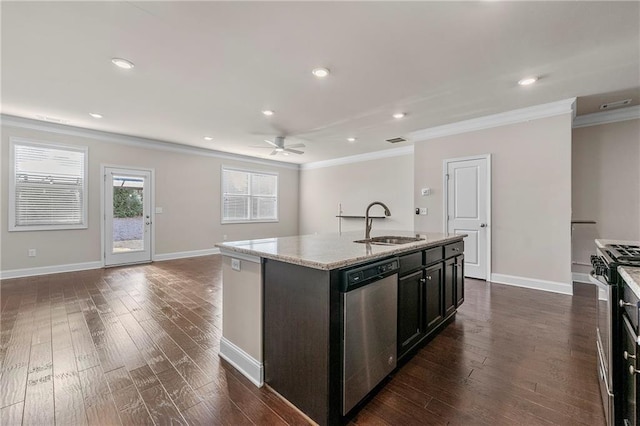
[{"x": 369, "y": 338}]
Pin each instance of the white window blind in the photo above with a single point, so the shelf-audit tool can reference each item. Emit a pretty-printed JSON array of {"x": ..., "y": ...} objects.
[
  {"x": 249, "y": 196},
  {"x": 48, "y": 187}
]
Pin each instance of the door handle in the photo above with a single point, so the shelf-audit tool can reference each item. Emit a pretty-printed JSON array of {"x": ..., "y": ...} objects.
[
  {"x": 483, "y": 225},
  {"x": 148, "y": 223}
]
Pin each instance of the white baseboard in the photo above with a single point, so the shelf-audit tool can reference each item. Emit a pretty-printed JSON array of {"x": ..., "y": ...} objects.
[
  {"x": 242, "y": 361},
  {"x": 44, "y": 270},
  {"x": 580, "y": 277},
  {"x": 533, "y": 283},
  {"x": 185, "y": 254}
]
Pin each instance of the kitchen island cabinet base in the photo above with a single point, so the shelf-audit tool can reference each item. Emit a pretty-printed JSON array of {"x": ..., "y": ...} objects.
[
  {"x": 303, "y": 319},
  {"x": 301, "y": 334}
]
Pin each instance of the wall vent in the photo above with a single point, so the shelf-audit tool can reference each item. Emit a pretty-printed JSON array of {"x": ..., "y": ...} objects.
[
  {"x": 616, "y": 104},
  {"x": 396, "y": 140}
]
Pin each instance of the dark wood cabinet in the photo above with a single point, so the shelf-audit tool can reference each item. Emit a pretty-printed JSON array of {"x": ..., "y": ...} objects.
[
  {"x": 449, "y": 286},
  {"x": 410, "y": 329},
  {"x": 434, "y": 308},
  {"x": 459, "y": 279},
  {"x": 629, "y": 384},
  {"x": 430, "y": 288}
]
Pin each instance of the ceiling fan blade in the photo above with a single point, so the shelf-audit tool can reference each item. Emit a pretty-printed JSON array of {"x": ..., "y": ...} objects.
[
  {"x": 260, "y": 146},
  {"x": 274, "y": 152},
  {"x": 295, "y": 151},
  {"x": 271, "y": 143},
  {"x": 296, "y": 145}
]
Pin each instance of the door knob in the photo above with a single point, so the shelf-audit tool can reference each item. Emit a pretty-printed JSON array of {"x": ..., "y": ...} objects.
[
  {"x": 148, "y": 223},
  {"x": 483, "y": 225}
]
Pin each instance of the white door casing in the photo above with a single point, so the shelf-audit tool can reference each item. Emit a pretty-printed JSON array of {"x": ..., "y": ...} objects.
[
  {"x": 134, "y": 243},
  {"x": 468, "y": 210}
]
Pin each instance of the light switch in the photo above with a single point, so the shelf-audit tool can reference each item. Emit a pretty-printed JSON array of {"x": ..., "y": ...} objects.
[
  {"x": 423, "y": 210},
  {"x": 425, "y": 191},
  {"x": 235, "y": 264},
  {"x": 158, "y": 210}
]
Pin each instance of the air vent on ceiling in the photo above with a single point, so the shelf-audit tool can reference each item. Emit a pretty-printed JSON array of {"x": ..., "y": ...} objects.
[
  {"x": 396, "y": 140},
  {"x": 617, "y": 104}
]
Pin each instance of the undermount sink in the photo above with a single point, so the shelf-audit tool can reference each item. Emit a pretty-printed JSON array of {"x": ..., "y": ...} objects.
[{"x": 389, "y": 240}]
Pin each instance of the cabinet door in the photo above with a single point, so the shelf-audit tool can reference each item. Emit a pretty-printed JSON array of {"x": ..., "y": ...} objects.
[
  {"x": 434, "y": 308},
  {"x": 449, "y": 286},
  {"x": 629, "y": 386},
  {"x": 409, "y": 311},
  {"x": 459, "y": 280}
]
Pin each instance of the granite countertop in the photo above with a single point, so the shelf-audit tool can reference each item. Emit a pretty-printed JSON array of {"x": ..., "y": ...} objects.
[
  {"x": 631, "y": 275},
  {"x": 332, "y": 251}
]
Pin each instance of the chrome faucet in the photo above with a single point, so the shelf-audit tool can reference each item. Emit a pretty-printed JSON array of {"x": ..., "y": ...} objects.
[{"x": 368, "y": 222}]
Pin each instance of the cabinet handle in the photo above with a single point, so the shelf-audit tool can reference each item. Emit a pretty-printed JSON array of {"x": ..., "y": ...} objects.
[
  {"x": 623, "y": 303},
  {"x": 632, "y": 370},
  {"x": 627, "y": 355},
  {"x": 428, "y": 277},
  {"x": 423, "y": 281}
]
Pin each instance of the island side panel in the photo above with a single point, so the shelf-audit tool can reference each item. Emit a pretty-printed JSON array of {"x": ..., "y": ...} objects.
[
  {"x": 242, "y": 316},
  {"x": 296, "y": 335}
]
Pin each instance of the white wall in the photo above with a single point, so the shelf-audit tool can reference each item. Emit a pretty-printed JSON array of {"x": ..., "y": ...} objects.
[
  {"x": 355, "y": 186},
  {"x": 606, "y": 185},
  {"x": 187, "y": 187},
  {"x": 531, "y": 196}
]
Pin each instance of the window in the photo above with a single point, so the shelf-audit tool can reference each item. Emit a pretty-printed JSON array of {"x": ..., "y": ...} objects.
[
  {"x": 249, "y": 196},
  {"x": 48, "y": 186}
]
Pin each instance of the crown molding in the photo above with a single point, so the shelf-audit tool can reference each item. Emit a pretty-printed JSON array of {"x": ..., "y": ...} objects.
[
  {"x": 606, "y": 117},
  {"x": 387, "y": 153},
  {"x": 552, "y": 109},
  {"x": 27, "y": 123}
]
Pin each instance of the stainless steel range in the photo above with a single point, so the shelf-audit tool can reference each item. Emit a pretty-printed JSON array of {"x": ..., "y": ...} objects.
[{"x": 610, "y": 255}]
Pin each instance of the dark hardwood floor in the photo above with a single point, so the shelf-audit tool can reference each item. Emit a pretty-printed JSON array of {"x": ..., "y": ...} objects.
[{"x": 139, "y": 345}]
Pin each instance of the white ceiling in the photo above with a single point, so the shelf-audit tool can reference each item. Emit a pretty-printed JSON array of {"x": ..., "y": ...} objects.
[{"x": 209, "y": 68}]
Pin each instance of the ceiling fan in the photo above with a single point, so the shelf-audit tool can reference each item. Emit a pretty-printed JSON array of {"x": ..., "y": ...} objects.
[{"x": 279, "y": 147}]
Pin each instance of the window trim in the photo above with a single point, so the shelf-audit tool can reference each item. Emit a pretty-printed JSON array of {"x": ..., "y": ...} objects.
[
  {"x": 12, "y": 186},
  {"x": 239, "y": 169}
]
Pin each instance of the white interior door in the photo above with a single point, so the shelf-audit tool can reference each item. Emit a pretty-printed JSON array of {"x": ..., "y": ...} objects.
[
  {"x": 127, "y": 216},
  {"x": 467, "y": 202}
]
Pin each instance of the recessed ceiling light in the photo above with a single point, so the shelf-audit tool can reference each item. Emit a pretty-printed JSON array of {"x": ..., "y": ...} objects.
[
  {"x": 285, "y": 153},
  {"x": 399, "y": 115},
  {"x": 95, "y": 115},
  {"x": 527, "y": 81},
  {"x": 351, "y": 139},
  {"x": 320, "y": 72},
  {"x": 208, "y": 138},
  {"x": 279, "y": 149},
  {"x": 267, "y": 112},
  {"x": 122, "y": 63}
]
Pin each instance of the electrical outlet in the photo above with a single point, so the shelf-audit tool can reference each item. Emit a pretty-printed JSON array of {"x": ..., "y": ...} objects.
[
  {"x": 32, "y": 252},
  {"x": 224, "y": 237},
  {"x": 159, "y": 210},
  {"x": 423, "y": 210},
  {"x": 235, "y": 264}
]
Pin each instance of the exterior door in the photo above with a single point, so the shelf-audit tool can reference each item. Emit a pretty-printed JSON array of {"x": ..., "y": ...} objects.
[
  {"x": 127, "y": 216},
  {"x": 467, "y": 210}
]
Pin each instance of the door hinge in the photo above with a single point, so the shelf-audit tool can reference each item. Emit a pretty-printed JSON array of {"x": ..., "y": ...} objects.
[{"x": 447, "y": 176}]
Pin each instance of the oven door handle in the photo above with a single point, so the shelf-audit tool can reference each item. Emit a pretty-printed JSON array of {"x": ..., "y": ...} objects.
[{"x": 594, "y": 279}]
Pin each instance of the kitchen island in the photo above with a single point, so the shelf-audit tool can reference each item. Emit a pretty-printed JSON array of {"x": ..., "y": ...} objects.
[{"x": 285, "y": 316}]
